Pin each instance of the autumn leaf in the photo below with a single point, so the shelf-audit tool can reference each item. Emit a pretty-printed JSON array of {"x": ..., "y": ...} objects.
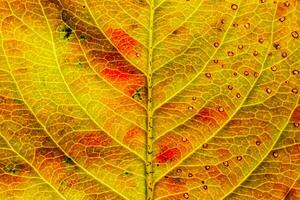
[{"x": 149, "y": 100}]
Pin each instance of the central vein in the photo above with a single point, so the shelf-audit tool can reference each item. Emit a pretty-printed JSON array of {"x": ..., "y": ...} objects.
[{"x": 149, "y": 153}]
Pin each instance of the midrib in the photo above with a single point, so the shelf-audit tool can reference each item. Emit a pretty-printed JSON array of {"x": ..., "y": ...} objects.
[{"x": 149, "y": 153}]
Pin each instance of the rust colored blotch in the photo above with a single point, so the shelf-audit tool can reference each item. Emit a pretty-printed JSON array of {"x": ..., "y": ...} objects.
[
  {"x": 168, "y": 155},
  {"x": 124, "y": 42},
  {"x": 115, "y": 74},
  {"x": 281, "y": 9},
  {"x": 210, "y": 117},
  {"x": 296, "y": 115}
]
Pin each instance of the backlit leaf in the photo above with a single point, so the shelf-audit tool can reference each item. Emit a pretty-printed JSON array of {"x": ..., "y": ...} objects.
[{"x": 149, "y": 99}]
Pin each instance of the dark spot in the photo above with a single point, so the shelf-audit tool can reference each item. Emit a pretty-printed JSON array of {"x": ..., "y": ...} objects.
[
  {"x": 186, "y": 195},
  {"x": 207, "y": 167},
  {"x": 205, "y": 145},
  {"x": 275, "y": 154},
  {"x": 82, "y": 37},
  {"x": 268, "y": 90},
  {"x": 261, "y": 40},
  {"x": 68, "y": 31},
  {"x": 258, "y": 142},
  {"x": 286, "y": 4},
  {"x": 239, "y": 158},
  {"x": 190, "y": 175},
  {"x": 225, "y": 163},
  {"x": 216, "y": 44},
  {"x": 295, "y": 34},
  {"x": 234, "y": 6},
  {"x": 238, "y": 95},
  {"x": 68, "y": 160},
  {"x": 276, "y": 45},
  {"x": 230, "y": 53},
  {"x": 230, "y": 87},
  {"x": 240, "y": 46},
  {"x": 274, "y": 68},
  {"x": 208, "y": 75},
  {"x": 295, "y": 72},
  {"x": 205, "y": 187},
  {"x": 255, "y": 53},
  {"x": 284, "y": 54},
  {"x": 282, "y": 19},
  {"x": 295, "y": 90},
  {"x": 139, "y": 94},
  {"x": 10, "y": 168},
  {"x": 246, "y": 73}
]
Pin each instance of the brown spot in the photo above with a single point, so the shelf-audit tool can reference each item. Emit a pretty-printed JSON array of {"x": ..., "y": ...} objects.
[
  {"x": 225, "y": 163},
  {"x": 296, "y": 72},
  {"x": 284, "y": 54},
  {"x": 276, "y": 45},
  {"x": 208, "y": 75},
  {"x": 295, "y": 90},
  {"x": 275, "y": 154},
  {"x": 238, "y": 95},
  {"x": 216, "y": 44},
  {"x": 274, "y": 68},
  {"x": 230, "y": 87},
  {"x": 261, "y": 40},
  {"x": 268, "y": 90},
  {"x": 295, "y": 34},
  {"x": 282, "y": 19},
  {"x": 230, "y": 53},
  {"x": 234, "y": 6},
  {"x": 247, "y": 25},
  {"x": 239, "y": 158}
]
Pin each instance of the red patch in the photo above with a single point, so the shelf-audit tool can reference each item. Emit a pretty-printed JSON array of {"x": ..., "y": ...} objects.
[
  {"x": 210, "y": 117},
  {"x": 120, "y": 72},
  {"x": 115, "y": 74},
  {"x": 281, "y": 10},
  {"x": 124, "y": 42},
  {"x": 168, "y": 155},
  {"x": 296, "y": 115}
]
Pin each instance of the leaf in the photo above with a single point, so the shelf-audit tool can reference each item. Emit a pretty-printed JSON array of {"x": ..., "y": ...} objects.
[{"x": 144, "y": 99}]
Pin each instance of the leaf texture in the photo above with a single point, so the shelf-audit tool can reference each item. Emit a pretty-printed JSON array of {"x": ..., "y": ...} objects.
[{"x": 149, "y": 99}]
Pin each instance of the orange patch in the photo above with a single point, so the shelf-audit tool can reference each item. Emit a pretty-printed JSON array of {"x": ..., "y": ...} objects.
[
  {"x": 210, "y": 117},
  {"x": 296, "y": 115},
  {"x": 93, "y": 139},
  {"x": 132, "y": 134},
  {"x": 124, "y": 42}
]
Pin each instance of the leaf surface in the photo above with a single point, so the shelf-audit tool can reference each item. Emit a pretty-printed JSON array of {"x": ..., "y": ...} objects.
[{"x": 149, "y": 99}]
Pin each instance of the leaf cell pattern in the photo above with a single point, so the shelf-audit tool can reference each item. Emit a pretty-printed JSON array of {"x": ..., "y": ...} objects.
[{"x": 149, "y": 99}]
